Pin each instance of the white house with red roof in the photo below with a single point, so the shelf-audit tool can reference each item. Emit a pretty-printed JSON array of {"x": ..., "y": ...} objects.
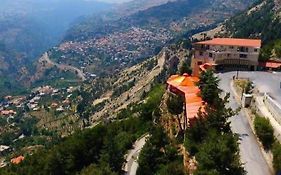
[{"x": 229, "y": 53}]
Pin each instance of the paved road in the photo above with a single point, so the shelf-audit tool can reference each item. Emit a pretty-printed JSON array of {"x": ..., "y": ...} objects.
[
  {"x": 250, "y": 152},
  {"x": 131, "y": 165},
  {"x": 73, "y": 69},
  {"x": 264, "y": 81}
]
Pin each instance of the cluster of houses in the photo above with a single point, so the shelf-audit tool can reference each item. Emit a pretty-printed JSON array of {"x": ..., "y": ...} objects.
[
  {"x": 122, "y": 46},
  {"x": 10, "y": 105},
  {"x": 4, "y": 150}
]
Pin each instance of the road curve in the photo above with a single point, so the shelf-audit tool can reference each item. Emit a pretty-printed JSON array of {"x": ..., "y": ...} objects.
[
  {"x": 73, "y": 69},
  {"x": 131, "y": 164},
  {"x": 250, "y": 152}
]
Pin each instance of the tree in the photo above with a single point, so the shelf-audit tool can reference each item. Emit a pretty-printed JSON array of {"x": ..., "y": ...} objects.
[
  {"x": 219, "y": 153},
  {"x": 174, "y": 168},
  {"x": 152, "y": 156},
  {"x": 208, "y": 84},
  {"x": 210, "y": 139},
  {"x": 175, "y": 107},
  {"x": 249, "y": 87},
  {"x": 97, "y": 170},
  {"x": 184, "y": 68}
]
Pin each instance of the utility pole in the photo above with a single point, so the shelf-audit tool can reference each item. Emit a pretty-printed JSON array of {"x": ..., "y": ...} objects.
[{"x": 239, "y": 64}]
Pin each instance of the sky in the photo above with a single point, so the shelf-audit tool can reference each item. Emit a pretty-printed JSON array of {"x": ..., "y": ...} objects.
[{"x": 114, "y": 1}]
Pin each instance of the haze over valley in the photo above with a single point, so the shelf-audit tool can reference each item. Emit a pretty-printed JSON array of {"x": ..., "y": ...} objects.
[{"x": 140, "y": 87}]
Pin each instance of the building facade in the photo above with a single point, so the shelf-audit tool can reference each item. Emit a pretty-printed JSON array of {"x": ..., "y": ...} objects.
[{"x": 226, "y": 53}]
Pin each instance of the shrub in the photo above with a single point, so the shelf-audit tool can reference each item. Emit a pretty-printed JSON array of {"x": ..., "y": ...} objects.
[
  {"x": 264, "y": 131},
  {"x": 276, "y": 151}
]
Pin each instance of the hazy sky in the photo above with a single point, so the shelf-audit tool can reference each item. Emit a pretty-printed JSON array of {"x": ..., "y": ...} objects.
[{"x": 115, "y": 1}]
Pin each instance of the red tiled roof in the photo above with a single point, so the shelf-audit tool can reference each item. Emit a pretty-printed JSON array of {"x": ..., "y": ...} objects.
[
  {"x": 17, "y": 160},
  {"x": 271, "y": 64},
  {"x": 233, "y": 42},
  {"x": 206, "y": 66},
  {"x": 8, "y": 112},
  {"x": 187, "y": 85}
]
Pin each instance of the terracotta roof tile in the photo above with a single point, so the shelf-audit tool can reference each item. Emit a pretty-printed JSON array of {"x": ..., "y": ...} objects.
[
  {"x": 187, "y": 85},
  {"x": 233, "y": 42}
]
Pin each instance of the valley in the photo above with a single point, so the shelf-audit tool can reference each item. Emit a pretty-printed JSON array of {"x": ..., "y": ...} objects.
[{"x": 128, "y": 88}]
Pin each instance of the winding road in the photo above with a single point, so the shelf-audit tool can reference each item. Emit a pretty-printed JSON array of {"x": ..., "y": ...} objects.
[
  {"x": 73, "y": 69},
  {"x": 131, "y": 164},
  {"x": 250, "y": 152}
]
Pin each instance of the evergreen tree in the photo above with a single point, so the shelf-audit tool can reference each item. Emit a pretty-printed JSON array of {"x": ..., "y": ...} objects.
[
  {"x": 175, "y": 106},
  {"x": 208, "y": 84},
  {"x": 184, "y": 68}
]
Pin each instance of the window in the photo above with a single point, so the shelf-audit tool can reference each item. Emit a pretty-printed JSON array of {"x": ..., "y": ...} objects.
[
  {"x": 210, "y": 55},
  {"x": 228, "y": 55},
  {"x": 201, "y": 53},
  {"x": 243, "y": 56},
  {"x": 255, "y": 50},
  {"x": 231, "y": 47},
  {"x": 243, "y": 49}
]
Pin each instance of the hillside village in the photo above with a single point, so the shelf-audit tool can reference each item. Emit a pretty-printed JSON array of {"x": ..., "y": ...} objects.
[
  {"x": 63, "y": 102},
  {"x": 129, "y": 102},
  {"x": 56, "y": 110}
]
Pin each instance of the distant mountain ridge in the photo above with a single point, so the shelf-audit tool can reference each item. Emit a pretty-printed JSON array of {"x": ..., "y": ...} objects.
[
  {"x": 176, "y": 16},
  {"x": 107, "y": 43}
]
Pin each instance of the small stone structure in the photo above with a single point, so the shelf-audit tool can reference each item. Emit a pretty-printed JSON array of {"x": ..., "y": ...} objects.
[{"x": 246, "y": 100}]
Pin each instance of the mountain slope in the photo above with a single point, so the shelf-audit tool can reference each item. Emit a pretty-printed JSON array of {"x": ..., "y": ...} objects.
[
  {"x": 184, "y": 14},
  {"x": 260, "y": 21},
  {"x": 103, "y": 45},
  {"x": 28, "y": 28}
]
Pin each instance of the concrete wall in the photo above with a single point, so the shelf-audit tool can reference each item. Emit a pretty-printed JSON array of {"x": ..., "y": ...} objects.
[{"x": 273, "y": 107}]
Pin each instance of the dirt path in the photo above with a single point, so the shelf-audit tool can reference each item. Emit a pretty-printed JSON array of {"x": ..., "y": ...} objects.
[{"x": 73, "y": 69}]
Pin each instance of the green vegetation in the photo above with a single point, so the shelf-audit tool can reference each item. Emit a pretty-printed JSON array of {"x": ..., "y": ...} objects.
[
  {"x": 104, "y": 145},
  {"x": 208, "y": 84},
  {"x": 261, "y": 23},
  {"x": 175, "y": 106},
  {"x": 210, "y": 139},
  {"x": 271, "y": 50},
  {"x": 276, "y": 151},
  {"x": 160, "y": 156},
  {"x": 99, "y": 150},
  {"x": 244, "y": 85},
  {"x": 125, "y": 87},
  {"x": 264, "y": 131},
  {"x": 57, "y": 78},
  {"x": 9, "y": 86},
  {"x": 249, "y": 87},
  {"x": 185, "y": 68}
]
